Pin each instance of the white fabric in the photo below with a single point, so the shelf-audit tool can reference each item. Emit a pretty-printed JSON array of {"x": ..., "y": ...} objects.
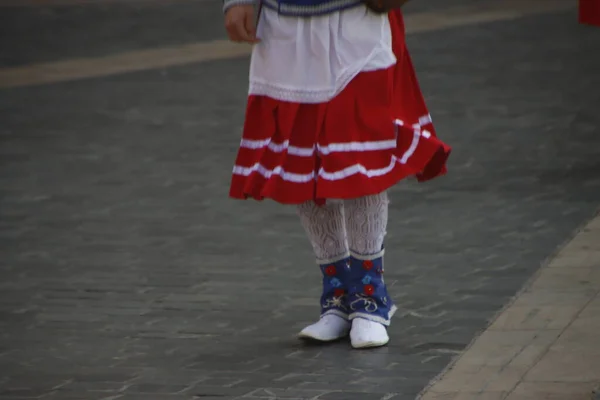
[
  {"x": 328, "y": 328},
  {"x": 324, "y": 226},
  {"x": 366, "y": 223},
  {"x": 311, "y": 60},
  {"x": 365, "y": 333},
  {"x": 373, "y": 145},
  {"x": 343, "y": 226}
]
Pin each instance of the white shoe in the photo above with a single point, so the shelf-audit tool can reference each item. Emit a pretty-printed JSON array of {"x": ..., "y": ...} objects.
[
  {"x": 365, "y": 333},
  {"x": 330, "y": 327}
]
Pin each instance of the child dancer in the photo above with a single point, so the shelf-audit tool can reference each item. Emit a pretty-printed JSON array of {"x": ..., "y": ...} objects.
[{"x": 334, "y": 118}]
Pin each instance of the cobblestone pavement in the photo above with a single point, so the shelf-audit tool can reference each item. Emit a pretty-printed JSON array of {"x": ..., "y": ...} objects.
[
  {"x": 545, "y": 344},
  {"x": 126, "y": 273}
]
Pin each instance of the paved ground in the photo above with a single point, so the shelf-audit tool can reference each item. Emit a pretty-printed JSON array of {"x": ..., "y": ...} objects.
[
  {"x": 545, "y": 345},
  {"x": 126, "y": 273}
]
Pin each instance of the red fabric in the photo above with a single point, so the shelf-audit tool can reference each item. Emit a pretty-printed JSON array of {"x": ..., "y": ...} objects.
[
  {"x": 365, "y": 111},
  {"x": 589, "y": 12}
]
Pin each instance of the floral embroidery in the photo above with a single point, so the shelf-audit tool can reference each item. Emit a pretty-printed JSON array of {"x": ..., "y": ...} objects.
[
  {"x": 367, "y": 294},
  {"x": 335, "y": 293},
  {"x": 330, "y": 270}
]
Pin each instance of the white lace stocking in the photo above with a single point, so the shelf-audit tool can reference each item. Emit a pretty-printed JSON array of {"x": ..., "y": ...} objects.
[
  {"x": 358, "y": 225},
  {"x": 325, "y": 228},
  {"x": 366, "y": 222}
]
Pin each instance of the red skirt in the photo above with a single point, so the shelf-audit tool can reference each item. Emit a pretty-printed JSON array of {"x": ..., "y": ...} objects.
[{"x": 376, "y": 132}]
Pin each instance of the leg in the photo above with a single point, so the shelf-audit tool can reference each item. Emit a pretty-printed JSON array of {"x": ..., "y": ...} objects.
[
  {"x": 326, "y": 231},
  {"x": 370, "y": 305},
  {"x": 366, "y": 222},
  {"x": 325, "y": 228}
]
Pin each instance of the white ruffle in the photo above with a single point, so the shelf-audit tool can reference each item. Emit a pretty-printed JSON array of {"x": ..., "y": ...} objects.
[{"x": 311, "y": 60}]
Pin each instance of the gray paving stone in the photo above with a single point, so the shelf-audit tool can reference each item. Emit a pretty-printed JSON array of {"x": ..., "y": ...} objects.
[
  {"x": 124, "y": 265},
  {"x": 16, "y": 397},
  {"x": 51, "y": 33},
  {"x": 157, "y": 388},
  {"x": 360, "y": 395}
]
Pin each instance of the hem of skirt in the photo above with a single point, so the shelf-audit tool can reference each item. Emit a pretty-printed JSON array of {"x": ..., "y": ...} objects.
[{"x": 348, "y": 188}]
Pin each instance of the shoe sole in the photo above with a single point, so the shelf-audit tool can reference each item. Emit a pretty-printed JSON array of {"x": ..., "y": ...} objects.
[
  {"x": 370, "y": 345},
  {"x": 305, "y": 336}
]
